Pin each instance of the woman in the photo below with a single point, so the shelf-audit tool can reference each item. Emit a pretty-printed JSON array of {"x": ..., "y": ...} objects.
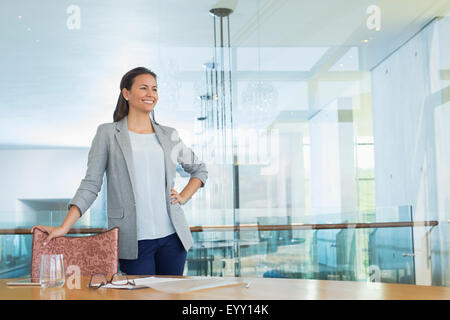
[{"x": 140, "y": 158}]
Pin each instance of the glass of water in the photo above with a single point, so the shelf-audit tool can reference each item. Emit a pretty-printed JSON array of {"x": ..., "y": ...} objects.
[{"x": 52, "y": 271}]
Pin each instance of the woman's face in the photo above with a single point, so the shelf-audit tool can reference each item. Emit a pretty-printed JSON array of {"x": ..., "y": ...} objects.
[{"x": 143, "y": 94}]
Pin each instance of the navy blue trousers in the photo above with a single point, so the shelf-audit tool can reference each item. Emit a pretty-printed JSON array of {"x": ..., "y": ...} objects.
[{"x": 163, "y": 256}]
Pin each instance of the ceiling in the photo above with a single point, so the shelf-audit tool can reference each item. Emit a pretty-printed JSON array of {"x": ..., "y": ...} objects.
[{"x": 59, "y": 83}]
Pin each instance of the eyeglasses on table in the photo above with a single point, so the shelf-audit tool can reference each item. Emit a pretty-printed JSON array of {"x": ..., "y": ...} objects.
[{"x": 99, "y": 280}]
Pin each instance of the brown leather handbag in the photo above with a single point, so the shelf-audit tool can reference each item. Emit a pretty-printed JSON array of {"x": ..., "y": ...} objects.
[{"x": 92, "y": 254}]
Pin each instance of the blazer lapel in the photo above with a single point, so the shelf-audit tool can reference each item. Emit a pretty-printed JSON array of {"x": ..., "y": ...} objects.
[{"x": 123, "y": 138}]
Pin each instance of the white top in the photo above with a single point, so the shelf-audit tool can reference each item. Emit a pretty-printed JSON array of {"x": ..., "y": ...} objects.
[{"x": 152, "y": 218}]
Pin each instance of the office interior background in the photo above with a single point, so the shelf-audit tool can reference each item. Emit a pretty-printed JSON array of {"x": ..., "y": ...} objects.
[{"x": 307, "y": 113}]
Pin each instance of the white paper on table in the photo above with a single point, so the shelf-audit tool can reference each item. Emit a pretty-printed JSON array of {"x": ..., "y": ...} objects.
[{"x": 179, "y": 285}]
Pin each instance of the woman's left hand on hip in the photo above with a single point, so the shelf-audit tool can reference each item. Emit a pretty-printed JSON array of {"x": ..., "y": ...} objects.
[{"x": 177, "y": 197}]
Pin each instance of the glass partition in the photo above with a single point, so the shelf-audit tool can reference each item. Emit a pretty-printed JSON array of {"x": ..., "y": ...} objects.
[
  {"x": 15, "y": 255},
  {"x": 323, "y": 112},
  {"x": 322, "y": 248}
]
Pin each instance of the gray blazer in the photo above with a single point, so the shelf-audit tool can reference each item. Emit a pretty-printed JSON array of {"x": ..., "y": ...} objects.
[{"x": 111, "y": 152}]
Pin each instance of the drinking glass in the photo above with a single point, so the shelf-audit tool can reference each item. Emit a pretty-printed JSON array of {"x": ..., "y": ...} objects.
[{"x": 52, "y": 270}]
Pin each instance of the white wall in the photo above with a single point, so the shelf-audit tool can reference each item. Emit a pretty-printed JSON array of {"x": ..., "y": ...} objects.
[
  {"x": 325, "y": 162},
  {"x": 333, "y": 172},
  {"x": 406, "y": 95},
  {"x": 40, "y": 174}
]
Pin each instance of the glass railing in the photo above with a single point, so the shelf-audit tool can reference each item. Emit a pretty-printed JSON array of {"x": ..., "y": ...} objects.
[
  {"x": 15, "y": 255},
  {"x": 324, "y": 247},
  {"x": 355, "y": 254},
  {"x": 16, "y": 239},
  {"x": 377, "y": 246}
]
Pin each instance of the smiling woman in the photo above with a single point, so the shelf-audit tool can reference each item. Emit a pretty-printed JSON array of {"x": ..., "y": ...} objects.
[{"x": 136, "y": 154}]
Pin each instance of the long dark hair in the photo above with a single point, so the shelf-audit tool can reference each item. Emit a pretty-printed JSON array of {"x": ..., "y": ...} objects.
[{"x": 122, "y": 107}]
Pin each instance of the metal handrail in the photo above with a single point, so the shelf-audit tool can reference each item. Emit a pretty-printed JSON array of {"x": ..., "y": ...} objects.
[
  {"x": 259, "y": 227},
  {"x": 303, "y": 226}
]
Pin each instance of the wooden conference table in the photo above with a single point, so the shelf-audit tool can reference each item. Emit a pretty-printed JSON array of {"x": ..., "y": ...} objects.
[{"x": 259, "y": 289}]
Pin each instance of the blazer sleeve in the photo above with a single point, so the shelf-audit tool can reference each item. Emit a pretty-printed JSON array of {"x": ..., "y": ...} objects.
[
  {"x": 91, "y": 185},
  {"x": 190, "y": 162}
]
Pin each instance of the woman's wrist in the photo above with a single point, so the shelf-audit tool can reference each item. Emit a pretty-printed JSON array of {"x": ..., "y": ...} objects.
[
  {"x": 64, "y": 228},
  {"x": 72, "y": 217},
  {"x": 190, "y": 189},
  {"x": 184, "y": 198}
]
